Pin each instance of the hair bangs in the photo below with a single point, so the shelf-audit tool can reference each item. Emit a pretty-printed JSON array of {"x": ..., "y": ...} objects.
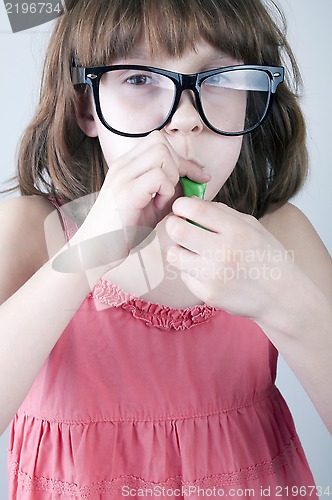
[{"x": 106, "y": 31}]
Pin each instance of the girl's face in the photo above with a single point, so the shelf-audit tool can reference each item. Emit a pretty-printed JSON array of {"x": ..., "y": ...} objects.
[{"x": 187, "y": 134}]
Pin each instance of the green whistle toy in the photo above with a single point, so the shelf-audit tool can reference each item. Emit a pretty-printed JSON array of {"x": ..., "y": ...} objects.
[{"x": 192, "y": 188}]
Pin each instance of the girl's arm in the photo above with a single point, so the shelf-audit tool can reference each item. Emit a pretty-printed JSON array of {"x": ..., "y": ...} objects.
[
  {"x": 36, "y": 302},
  {"x": 288, "y": 294},
  {"x": 301, "y": 326}
]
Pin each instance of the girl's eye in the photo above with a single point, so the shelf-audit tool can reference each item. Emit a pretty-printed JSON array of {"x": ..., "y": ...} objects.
[
  {"x": 220, "y": 80},
  {"x": 139, "y": 80}
]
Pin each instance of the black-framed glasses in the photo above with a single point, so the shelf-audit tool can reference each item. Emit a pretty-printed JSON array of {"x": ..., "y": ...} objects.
[{"x": 134, "y": 100}]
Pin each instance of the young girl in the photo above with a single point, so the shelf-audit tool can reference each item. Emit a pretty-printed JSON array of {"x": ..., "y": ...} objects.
[{"x": 139, "y": 358}]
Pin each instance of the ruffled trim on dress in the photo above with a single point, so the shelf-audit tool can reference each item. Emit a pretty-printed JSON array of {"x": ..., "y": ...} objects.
[
  {"x": 109, "y": 294},
  {"x": 152, "y": 314}
]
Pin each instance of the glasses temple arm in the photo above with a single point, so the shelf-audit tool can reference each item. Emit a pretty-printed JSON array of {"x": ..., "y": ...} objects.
[{"x": 77, "y": 75}]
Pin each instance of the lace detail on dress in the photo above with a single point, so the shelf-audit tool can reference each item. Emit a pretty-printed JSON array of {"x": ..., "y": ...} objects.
[
  {"x": 236, "y": 478},
  {"x": 156, "y": 315}
]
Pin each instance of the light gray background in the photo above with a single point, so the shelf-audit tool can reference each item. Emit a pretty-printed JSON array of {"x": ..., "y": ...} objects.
[{"x": 311, "y": 38}]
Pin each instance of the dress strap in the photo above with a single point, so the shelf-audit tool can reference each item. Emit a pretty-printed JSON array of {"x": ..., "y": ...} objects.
[{"x": 69, "y": 225}]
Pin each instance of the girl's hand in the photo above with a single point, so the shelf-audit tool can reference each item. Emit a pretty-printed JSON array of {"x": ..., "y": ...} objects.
[
  {"x": 234, "y": 264},
  {"x": 142, "y": 183},
  {"x": 137, "y": 193}
]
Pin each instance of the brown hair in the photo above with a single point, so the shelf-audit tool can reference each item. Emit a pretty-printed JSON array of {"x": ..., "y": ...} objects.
[{"x": 57, "y": 159}]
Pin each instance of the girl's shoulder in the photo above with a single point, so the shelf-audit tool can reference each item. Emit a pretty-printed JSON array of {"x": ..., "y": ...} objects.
[
  {"x": 296, "y": 233},
  {"x": 34, "y": 205},
  {"x": 23, "y": 245}
]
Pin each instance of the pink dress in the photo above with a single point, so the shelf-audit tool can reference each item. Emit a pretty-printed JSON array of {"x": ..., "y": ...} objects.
[{"x": 142, "y": 400}]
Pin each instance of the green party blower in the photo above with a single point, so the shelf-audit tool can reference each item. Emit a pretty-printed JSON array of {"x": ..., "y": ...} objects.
[{"x": 192, "y": 188}]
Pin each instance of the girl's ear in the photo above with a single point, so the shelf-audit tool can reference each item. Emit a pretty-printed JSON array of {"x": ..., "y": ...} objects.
[{"x": 85, "y": 115}]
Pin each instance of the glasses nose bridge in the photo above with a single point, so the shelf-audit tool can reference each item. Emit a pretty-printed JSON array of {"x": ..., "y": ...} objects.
[{"x": 188, "y": 82}]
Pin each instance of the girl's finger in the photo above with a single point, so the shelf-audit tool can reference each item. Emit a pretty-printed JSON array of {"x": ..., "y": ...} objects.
[
  {"x": 184, "y": 259},
  {"x": 132, "y": 167},
  {"x": 152, "y": 182},
  {"x": 215, "y": 217},
  {"x": 187, "y": 168},
  {"x": 192, "y": 170},
  {"x": 189, "y": 236}
]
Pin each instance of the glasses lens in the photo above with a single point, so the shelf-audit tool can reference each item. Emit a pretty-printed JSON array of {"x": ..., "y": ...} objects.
[
  {"x": 235, "y": 101},
  {"x": 135, "y": 101}
]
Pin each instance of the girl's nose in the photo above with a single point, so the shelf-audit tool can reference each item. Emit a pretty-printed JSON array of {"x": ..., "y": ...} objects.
[{"x": 186, "y": 119}]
